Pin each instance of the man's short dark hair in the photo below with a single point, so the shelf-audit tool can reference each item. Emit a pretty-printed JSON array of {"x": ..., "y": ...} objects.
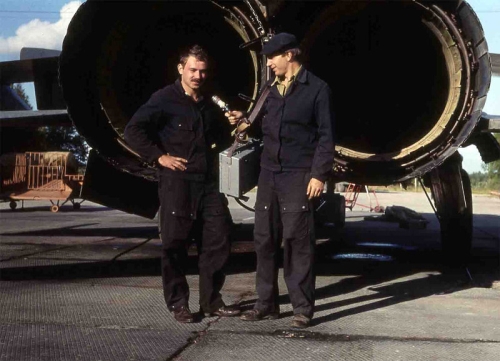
[{"x": 195, "y": 51}]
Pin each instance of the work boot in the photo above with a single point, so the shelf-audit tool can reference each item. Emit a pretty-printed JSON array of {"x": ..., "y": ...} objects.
[
  {"x": 225, "y": 311},
  {"x": 183, "y": 314},
  {"x": 300, "y": 321},
  {"x": 257, "y": 315}
]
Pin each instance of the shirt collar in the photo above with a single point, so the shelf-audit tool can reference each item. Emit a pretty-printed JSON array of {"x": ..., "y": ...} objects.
[{"x": 299, "y": 75}]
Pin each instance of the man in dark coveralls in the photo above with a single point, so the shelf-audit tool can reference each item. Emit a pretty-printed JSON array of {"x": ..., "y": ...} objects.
[
  {"x": 183, "y": 132},
  {"x": 297, "y": 158}
]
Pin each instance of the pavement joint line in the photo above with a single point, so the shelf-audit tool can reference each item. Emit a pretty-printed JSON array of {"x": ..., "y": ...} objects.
[
  {"x": 52, "y": 249},
  {"x": 197, "y": 336},
  {"x": 318, "y": 336},
  {"x": 49, "y": 229},
  {"x": 86, "y": 260},
  {"x": 200, "y": 334},
  {"x": 307, "y": 335},
  {"x": 487, "y": 233},
  {"x": 132, "y": 248}
]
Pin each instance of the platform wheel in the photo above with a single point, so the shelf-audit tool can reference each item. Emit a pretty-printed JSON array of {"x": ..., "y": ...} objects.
[
  {"x": 341, "y": 221},
  {"x": 54, "y": 208},
  {"x": 13, "y": 205},
  {"x": 452, "y": 193}
]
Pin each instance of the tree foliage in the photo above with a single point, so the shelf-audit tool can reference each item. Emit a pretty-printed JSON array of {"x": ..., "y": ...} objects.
[
  {"x": 64, "y": 138},
  {"x": 493, "y": 168},
  {"x": 18, "y": 88},
  {"x": 44, "y": 138},
  {"x": 489, "y": 179}
]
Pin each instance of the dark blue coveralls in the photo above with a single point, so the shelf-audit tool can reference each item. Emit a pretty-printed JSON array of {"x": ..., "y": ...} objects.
[
  {"x": 298, "y": 135},
  {"x": 191, "y": 206}
]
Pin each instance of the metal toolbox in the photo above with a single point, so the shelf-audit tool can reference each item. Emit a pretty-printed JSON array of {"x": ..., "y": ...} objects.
[{"x": 239, "y": 174}]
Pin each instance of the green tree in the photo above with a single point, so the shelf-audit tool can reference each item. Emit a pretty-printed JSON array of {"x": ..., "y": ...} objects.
[
  {"x": 44, "y": 138},
  {"x": 19, "y": 89},
  {"x": 478, "y": 180},
  {"x": 67, "y": 139},
  {"x": 493, "y": 172},
  {"x": 493, "y": 168}
]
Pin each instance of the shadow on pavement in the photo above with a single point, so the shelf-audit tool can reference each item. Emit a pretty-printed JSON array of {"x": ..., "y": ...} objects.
[
  {"x": 80, "y": 231},
  {"x": 389, "y": 295},
  {"x": 483, "y": 269},
  {"x": 365, "y": 273}
]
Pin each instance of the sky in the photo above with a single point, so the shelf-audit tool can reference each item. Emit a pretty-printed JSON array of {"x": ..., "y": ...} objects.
[{"x": 43, "y": 24}]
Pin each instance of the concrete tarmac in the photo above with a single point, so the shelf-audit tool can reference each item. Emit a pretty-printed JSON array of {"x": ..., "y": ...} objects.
[{"x": 86, "y": 285}]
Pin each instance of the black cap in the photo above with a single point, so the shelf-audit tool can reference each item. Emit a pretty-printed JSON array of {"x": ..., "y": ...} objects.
[{"x": 280, "y": 43}]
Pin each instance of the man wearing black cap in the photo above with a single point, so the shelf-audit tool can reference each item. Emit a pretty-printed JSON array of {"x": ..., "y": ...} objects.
[{"x": 297, "y": 128}]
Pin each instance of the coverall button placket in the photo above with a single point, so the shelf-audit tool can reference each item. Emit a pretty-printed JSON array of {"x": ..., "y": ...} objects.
[
  {"x": 298, "y": 140},
  {"x": 278, "y": 155}
]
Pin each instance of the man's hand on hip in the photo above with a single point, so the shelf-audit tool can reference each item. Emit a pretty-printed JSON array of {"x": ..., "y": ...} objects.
[
  {"x": 315, "y": 188},
  {"x": 174, "y": 163}
]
